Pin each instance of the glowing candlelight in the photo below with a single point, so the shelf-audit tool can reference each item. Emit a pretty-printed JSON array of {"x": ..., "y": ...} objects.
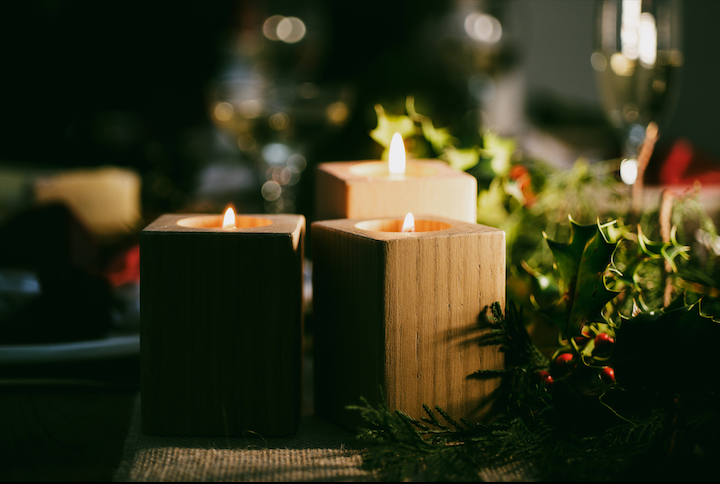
[
  {"x": 388, "y": 188},
  {"x": 209, "y": 282},
  {"x": 405, "y": 314},
  {"x": 229, "y": 219},
  {"x": 396, "y": 162},
  {"x": 409, "y": 223}
]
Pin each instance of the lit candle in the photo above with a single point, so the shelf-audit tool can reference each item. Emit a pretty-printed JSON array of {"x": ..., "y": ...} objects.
[
  {"x": 400, "y": 310},
  {"x": 229, "y": 219},
  {"x": 365, "y": 189},
  {"x": 408, "y": 224},
  {"x": 221, "y": 324},
  {"x": 397, "y": 160}
]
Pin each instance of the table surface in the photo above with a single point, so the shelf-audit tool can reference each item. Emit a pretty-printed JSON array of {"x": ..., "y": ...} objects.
[
  {"x": 78, "y": 421},
  {"x": 66, "y": 422},
  {"x": 55, "y": 429}
]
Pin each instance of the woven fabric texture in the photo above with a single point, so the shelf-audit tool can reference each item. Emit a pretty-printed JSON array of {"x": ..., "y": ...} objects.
[{"x": 319, "y": 452}]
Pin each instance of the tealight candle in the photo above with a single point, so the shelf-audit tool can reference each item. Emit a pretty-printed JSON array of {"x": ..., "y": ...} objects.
[
  {"x": 398, "y": 309},
  {"x": 366, "y": 189},
  {"x": 221, "y": 308}
]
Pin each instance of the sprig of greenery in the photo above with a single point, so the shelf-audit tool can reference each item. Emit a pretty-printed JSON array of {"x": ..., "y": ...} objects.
[
  {"x": 439, "y": 447},
  {"x": 608, "y": 278},
  {"x": 531, "y": 200},
  {"x": 542, "y": 434}
]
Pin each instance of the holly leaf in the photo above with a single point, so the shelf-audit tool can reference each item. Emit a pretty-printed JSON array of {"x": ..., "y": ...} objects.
[
  {"x": 389, "y": 124},
  {"x": 500, "y": 151},
  {"x": 663, "y": 250},
  {"x": 491, "y": 208},
  {"x": 638, "y": 272},
  {"x": 583, "y": 263},
  {"x": 461, "y": 159},
  {"x": 543, "y": 288},
  {"x": 673, "y": 249},
  {"x": 439, "y": 138}
]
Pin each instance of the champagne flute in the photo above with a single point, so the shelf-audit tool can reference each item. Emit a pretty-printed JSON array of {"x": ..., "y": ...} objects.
[{"x": 637, "y": 59}]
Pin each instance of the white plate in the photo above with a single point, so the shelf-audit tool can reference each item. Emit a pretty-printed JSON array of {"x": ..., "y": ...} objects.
[{"x": 113, "y": 346}]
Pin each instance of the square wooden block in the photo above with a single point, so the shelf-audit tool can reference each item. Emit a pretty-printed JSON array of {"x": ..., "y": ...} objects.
[
  {"x": 221, "y": 325},
  {"x": 364, "y": 189},
  {"x": 400, "y": 311}
]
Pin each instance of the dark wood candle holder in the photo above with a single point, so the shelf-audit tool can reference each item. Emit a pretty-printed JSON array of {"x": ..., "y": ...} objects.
[{"x": 221, "y": 325}]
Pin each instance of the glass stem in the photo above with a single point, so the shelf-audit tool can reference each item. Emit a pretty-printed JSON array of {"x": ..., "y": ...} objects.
[{"x": 646, "y": 147}]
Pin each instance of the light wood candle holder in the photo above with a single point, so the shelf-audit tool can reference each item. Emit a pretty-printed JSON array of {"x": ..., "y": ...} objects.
[
  {"x": 221, "y": 325},
  {"x": 400, "y": 311},
  {"x": 365, "y": 189}
]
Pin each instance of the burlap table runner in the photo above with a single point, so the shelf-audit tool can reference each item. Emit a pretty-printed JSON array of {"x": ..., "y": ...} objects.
[{"x": 320, "y": 451}]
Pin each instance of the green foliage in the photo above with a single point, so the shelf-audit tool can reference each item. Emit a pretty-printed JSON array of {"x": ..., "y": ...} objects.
[
  {"x": 388, "y": 125},
  {"x": 582, "y": 263},
  {"x": 586, "y": 311},
  {"x": 542, "y": 434},
  {"x": 439, "y": 447},
  {"x": 533, "y": 201},
  {"x": 637, "y": 327}
]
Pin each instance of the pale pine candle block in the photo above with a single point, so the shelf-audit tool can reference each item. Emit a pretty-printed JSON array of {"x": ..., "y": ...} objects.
[
  {"x": 400, "y": 310},
  {"x": 365, "y": 189}
]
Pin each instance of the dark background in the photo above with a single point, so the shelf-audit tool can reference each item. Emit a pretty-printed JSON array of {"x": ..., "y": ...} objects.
[{"x": 88, "y": 83}]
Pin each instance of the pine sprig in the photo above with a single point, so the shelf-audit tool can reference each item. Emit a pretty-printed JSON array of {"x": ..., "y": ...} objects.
[
  {"x": 535, "y": 436},
  {"x": 440, "y": 447}
]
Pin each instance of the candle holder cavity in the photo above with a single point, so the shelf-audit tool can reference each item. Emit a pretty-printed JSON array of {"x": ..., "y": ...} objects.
[
  {"x": 399, "y": 310},
  {"x": 221, "y": 325},
  {"x": 366, "y": 189},
  {"x": 215, "y": 221}
]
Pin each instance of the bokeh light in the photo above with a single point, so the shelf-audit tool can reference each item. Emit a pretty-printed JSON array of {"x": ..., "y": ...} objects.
[
  {"x": 285, "y": 29},
  {"x": 628, "y": 170},
  {"x": 483, "y": 27},
  {"x": 223, "y": 111}
]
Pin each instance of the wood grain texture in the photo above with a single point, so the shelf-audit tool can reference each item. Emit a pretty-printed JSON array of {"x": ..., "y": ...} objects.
[
  {"x": 400, "y": 310},
  {"x": 346, "y": 190},
  {"x": 221, "y": 327}
]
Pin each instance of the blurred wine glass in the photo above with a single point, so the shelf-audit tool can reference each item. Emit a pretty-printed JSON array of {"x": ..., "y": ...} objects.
[
  {"x": 637, "y": 59},
  {"x": 475, "y": 46},
  {"x": 268, "y": 99}
]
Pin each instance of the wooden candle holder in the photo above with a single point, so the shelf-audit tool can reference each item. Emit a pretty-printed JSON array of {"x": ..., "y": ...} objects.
[
  {"x": 221, "y": 325},
  {"x": 400, "y": 311},
  {"x": 365, "y": 189}
]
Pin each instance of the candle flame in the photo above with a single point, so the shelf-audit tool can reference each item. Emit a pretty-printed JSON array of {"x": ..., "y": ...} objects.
[
  {"x": 229, "y": 219},
  {"x": 397, "y": 155},
  {"x": 409, "y": 223}
]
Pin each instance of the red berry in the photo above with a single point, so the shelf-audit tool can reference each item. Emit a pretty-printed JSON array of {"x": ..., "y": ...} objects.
[
  {"x": 607, "y": 374},
  {"x": 581, "y": 340},
  {"x": 563, "y": 358},
  {"x": 545, "y": 377},
  {"x": 564, "y": 363},
  {"x": 517, "y": 171},
  {"x": 603, "y": 343}
]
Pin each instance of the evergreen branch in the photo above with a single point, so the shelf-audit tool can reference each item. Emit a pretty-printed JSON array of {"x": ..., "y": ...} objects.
[
  {"x": 433, "y": 419},
  {"x": 449, "y": 418}
]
